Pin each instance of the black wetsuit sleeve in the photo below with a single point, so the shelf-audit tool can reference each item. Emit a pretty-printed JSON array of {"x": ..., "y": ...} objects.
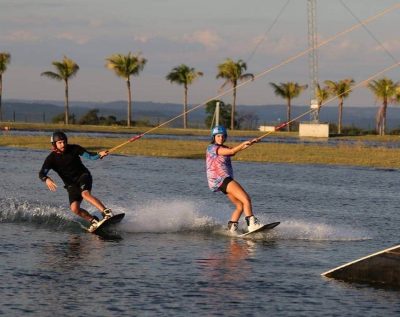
[{"x": 46, "y": 167}]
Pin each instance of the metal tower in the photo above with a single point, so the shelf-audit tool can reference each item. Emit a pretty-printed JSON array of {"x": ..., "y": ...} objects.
[{"x": 313, "y": 58}]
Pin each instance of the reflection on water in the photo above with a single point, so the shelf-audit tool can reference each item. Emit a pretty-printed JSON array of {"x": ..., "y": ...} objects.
[
  {"x": 224, "y": 273},
  {"x": 228, "y": 265}
]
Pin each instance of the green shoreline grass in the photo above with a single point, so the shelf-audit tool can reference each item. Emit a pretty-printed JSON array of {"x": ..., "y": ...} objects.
[{"x": 354, "y": 155}]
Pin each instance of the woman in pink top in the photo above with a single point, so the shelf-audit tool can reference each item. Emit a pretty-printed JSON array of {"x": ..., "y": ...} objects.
[{"x": 220, "y": 178}]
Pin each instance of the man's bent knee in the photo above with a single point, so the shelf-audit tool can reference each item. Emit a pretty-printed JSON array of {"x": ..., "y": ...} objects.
[{"x": 86, "y": 194}]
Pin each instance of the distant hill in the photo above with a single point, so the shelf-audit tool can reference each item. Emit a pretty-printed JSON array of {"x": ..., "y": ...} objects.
[{"x": 156, "y": 113}]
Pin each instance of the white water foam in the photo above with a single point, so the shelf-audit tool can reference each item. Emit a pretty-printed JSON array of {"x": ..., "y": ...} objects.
[
  {"x": 162, "y": 216},
  {"x": 165, "y": 216},
  {"x": 14, "y": 210},
  {"x": 302, "y": 230}
]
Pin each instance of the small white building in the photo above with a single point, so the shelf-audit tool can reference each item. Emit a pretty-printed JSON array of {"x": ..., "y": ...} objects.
[
  {"x": 316, "y": 130},
  {"x": 266, "y": 128}
]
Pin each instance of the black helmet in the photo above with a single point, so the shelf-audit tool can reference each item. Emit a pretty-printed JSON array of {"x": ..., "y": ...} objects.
[{"x": 58, "y": 136}]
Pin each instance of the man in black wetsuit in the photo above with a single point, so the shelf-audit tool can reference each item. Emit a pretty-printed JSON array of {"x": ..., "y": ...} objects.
[{"x": 66, "y": 162}]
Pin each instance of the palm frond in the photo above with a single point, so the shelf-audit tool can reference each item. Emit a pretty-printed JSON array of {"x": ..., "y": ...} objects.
[
  {"x": 288, "y": 90},
  {"x": 183, "y": 75},
  {"x": 126, "y": 65},
  {"x": 52, "y": 75},
  {"x": 232, "y": 72},
  {"x": 5, "y": 59},
  {"x": 65, "y": 69},
  {"x": 384, "y": 88}
]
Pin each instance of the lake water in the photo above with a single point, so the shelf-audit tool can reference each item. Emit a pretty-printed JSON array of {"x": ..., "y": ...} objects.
[{"x": 172, "y": 259}]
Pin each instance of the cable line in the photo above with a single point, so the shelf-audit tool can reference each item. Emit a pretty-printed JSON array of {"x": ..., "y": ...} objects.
[
  {"x": 267, "y": 31},
  {"x": 263, "y": 73},
  {"x": 369, "y": 32}
]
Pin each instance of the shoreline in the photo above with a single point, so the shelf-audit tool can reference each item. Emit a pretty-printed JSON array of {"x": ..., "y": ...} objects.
[{"x": 341, "y": 155}]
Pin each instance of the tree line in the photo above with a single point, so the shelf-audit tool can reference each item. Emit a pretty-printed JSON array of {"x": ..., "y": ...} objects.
[{"x": 233, "y": 72}]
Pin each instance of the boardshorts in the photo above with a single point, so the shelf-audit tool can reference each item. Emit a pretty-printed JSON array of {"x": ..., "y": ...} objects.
[{"x": 84, "y": 182}]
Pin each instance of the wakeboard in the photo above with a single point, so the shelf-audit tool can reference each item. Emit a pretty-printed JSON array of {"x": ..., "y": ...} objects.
[
  {"x": 104, "y": 224},
  {"x": 264, "y": 228}
]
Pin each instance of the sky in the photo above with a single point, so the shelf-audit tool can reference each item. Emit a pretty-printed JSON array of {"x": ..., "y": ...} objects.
[{"x": 200, "y": 34}]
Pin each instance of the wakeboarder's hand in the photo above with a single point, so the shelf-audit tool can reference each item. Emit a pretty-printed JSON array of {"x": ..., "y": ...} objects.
[
  {"x": 245, "y": 145},
  {"x": 103, "y": 154},
  {"x": 50, "y": 184},
  {"x": 255, "y": 140}
]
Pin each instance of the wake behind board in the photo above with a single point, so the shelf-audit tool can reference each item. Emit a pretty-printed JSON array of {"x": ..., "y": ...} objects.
[
  {"x": 105, "y": 224},
  {"x": 264, "y": 228}
]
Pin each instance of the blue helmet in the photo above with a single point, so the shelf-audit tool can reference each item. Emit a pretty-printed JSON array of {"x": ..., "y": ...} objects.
[{"x": 219, "y": 129}]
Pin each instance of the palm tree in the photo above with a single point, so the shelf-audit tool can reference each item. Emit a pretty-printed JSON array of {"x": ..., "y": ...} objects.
[
  {"x": 232, "y": 72},
  {"x": 397, "y": 96},
  {"x": 184, "y": 75},
  {"x": 386, "y": 90},
  {"x": 126, "y": 66},
  {"x": 322, "y": 94},
  {"x": 288, "y": 91},
  {"x": 65, "y": 70},
  {"x": 5, "y": 59},
  {"x": 341, "y": 89}
]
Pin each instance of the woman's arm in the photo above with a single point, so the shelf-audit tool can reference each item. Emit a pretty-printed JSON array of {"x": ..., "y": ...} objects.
[{"x": 232, "y": 151}]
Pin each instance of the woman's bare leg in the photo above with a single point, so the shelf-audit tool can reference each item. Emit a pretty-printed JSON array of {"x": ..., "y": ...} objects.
[{"x": 240, "y": 199}]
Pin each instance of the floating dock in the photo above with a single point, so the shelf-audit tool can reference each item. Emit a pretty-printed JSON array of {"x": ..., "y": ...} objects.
[{"x": 380, "y": 268}]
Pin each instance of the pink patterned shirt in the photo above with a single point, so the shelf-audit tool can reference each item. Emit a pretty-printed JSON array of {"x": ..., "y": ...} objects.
[{"x": 218, "y": 167}]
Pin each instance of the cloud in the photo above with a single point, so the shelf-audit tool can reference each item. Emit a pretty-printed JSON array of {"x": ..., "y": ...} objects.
[
  {"x": 21, "y": 36},
  {"x": 76, "y": 38},
  {"x": 277, "y": 46},
  {"x": 346, "y": 49},
  {"x": 95, "y": 23},
  {"x": 208, "y": 38},
  {"x": 141, "y": 38},
  {"x": 393, "y": 46}
]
